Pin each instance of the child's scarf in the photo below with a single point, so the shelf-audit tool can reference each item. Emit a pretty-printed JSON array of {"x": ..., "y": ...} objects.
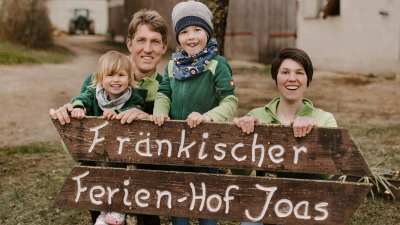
[
  {"x": 185, "y": 66},
  {"x": 104, "y": 103}
]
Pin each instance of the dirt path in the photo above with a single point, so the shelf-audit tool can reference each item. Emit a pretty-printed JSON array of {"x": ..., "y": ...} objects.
[{"x": 29, "y": 91}]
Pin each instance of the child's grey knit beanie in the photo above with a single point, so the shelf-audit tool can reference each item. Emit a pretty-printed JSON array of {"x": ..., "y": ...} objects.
[{"x": 191, "y": 13}]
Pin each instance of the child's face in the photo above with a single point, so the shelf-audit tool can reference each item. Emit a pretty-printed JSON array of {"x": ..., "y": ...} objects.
[
  {"x": 291, "y": 80},
  {"x": 193, "y": 39},
  {"x": 115, "y": 84}
]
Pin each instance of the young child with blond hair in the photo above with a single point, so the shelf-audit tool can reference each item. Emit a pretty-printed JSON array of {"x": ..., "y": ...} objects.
[{"x": 112, "y": 90}]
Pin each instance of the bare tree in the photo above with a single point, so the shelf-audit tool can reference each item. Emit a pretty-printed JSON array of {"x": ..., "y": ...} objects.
[
  {"x": 219, "y": 8},
  {"x": 26, "y": 22}
]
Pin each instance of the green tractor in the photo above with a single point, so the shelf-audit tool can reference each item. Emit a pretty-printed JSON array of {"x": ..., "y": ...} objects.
[{"x": 81, "y": 23}]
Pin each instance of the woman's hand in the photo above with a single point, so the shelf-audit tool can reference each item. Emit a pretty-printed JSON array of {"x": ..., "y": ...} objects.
[
  {"x": 302, "y": 125},
  {"x": 246, "y": 123}
]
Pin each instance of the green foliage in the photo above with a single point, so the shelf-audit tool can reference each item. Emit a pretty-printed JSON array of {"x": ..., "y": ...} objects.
[
  {"x": 26, "y": 22},
  {"x": 11, "y": 54}
]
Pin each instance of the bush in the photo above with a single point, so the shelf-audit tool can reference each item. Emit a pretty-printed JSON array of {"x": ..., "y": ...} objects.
[{"x": 26, "y": 22}]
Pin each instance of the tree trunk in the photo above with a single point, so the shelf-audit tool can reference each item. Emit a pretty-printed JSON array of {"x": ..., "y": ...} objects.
[{"x": 219, "y": 9}]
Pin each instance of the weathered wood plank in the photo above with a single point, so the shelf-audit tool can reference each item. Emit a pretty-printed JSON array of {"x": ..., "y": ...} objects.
[
  {"x": 236, "y": 198},
  {"x": 222, "y": 145}
]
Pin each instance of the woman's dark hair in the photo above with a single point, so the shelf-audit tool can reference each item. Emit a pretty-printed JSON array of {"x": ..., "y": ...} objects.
[{"x": 297, "y": 55}]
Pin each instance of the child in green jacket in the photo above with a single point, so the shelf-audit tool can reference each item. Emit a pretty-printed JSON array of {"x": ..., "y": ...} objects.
[
  {"x": 112, "y": 90},
  {"x": 197, "y": 85}
]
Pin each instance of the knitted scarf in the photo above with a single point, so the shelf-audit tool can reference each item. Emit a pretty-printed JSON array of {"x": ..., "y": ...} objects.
[
  {"x": 104, "y": 103},
  {"x": 185, "y": 66}
]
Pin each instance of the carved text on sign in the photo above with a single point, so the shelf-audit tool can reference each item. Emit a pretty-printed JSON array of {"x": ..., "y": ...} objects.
[{"x": 142, "y": 148}]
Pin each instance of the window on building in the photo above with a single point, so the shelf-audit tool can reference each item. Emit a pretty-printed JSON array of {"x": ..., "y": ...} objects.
[{"x": 312, "y": 9}]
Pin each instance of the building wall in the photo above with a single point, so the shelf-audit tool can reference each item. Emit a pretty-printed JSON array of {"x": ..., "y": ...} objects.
[
  {"x": 60, "y": 12},
  {"x": 360, "y": 40},
  {"x": 257, "y": 29},
  {"x": 117, "y": 22}
]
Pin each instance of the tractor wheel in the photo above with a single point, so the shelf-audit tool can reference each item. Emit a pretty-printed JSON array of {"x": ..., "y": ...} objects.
[
  {"x": 91, "y": 27},
  {"x": 71, "y": 28}
]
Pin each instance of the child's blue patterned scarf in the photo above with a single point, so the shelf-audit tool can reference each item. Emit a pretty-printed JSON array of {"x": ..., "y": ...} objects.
[{"x": 185, "y": 66}]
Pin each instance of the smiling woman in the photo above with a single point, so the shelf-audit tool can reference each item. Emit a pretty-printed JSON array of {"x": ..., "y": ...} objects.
[{"x": 292, "y": 71}]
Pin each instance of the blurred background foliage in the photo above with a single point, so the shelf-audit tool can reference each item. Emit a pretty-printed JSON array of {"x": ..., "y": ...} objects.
[{"x": 26, "y": 23}]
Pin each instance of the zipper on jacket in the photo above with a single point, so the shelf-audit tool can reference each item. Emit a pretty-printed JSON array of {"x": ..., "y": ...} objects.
[{"x": 184, "y": 96}]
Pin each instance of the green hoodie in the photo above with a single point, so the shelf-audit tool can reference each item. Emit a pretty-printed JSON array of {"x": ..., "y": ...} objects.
[
  {"x": 267, "y": 115},
  {"x": 210, "y": 93}
]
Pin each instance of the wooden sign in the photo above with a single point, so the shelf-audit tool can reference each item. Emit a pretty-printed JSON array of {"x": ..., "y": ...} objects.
[
  {"x": 215, "y": 145},
  {"x": 223, "y": 145},
  {"x": 197, "y": 195}
]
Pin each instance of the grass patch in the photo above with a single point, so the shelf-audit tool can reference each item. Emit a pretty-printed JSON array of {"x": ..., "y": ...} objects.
[
  {"x": 31, "y": 177},
  {"x": 376, "y": 211},
  {"x": 116, "y": 44},
  {"x": 36, "y": 147},
  {"x": 379, "y": 145},
  {"x": 12, "y": 54}
]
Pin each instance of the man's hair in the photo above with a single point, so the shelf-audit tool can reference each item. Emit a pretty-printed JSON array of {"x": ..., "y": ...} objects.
[
  {"x": 110, "y": 63},
  {"x": 297, "y": 55},
  {"x": 150, "y": 18}
]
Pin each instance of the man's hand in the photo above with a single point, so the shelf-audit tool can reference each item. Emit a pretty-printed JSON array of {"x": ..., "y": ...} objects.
[
  {"x": 246, "y": 123},
  {"x": 195, "y": 119},
  {"x": 109, "y": 114},
  {"x": 62, "y": 113},
  {"x": 131, "y": 114},
  {"x": 78, "y": 113}
]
